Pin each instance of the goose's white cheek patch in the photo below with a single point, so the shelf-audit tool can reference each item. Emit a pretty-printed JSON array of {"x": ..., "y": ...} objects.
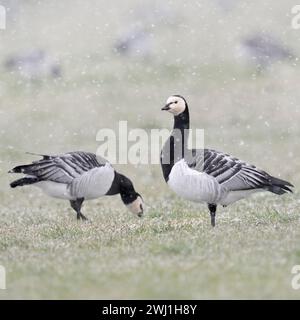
[
  {"x": 136, "y": 206},
  {"x": 176, "y": 109}
]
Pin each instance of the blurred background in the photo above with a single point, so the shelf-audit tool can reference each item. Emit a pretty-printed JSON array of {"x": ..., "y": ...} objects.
[{"x": 69, "y": 68}]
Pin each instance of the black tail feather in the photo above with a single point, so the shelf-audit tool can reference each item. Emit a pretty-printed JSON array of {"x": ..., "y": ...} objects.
[
  {"x": 20, "y": 169},
  {"x": 27, "y": 168},
  {"x": 279, "y": 186},
  {"x": 24, "y": 181}
]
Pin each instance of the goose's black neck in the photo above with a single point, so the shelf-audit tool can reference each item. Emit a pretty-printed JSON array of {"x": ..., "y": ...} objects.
[
  {"x": 115, "y": 186},
  {"x": 123, "y": 186},
  {"x": 182, "y": 121},
  {"x": 176, "y": 145}
]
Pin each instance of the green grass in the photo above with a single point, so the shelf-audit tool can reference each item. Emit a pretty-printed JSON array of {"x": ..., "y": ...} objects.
[{"x": 172, "y": 252}]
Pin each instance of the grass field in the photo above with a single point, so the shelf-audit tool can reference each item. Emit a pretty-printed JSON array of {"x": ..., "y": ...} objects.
[{"x": 172, "y": 252}]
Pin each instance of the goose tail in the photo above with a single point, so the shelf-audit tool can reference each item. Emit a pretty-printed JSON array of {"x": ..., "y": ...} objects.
[
  {"x": 25, "y": 169},
  {"x": 23, "y": 182},
  {"x": 20, "y": 169},
  {"x": 279, "y": 186}
]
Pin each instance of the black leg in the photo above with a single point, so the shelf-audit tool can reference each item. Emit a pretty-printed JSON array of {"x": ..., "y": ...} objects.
[
  {"x": 212, "y": 210},
  {"x": 76, "y": 205},
  {"x": 83, "y": 217}
]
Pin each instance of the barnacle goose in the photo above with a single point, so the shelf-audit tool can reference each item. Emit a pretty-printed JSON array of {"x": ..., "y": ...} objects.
[
  {"x": 79, "y": 176},
  {"x": 208, "y": 175}
]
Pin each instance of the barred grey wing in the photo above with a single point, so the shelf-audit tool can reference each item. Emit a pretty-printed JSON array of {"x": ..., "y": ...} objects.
[
  {"x": 231, "y": 173},
  {"x": 64, "y": 168}
]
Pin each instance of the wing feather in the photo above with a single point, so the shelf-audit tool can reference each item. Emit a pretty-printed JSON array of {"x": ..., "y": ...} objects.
[
  {"x": 231, "y": 173},
  {"x": 62, "y": 168}
]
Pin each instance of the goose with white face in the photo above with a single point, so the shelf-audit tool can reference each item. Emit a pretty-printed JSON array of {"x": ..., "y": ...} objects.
[
  {"x": 79, "y": 176},
  {"x": 175, "y": 105},
  {"x": 137, "y": 206}
]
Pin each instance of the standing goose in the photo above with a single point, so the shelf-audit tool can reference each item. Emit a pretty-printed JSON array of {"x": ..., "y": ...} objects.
[
  {"x": 208, "y": 175},
  {"x": 79, "y": 176}
]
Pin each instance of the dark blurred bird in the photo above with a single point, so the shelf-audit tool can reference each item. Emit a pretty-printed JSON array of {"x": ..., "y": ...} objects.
[
  {"x": 263, "y": 50},
  {"x": 135, "y": 42},
  {"x": 33, "y": 65},
  {"x": 227, "y": 5}
]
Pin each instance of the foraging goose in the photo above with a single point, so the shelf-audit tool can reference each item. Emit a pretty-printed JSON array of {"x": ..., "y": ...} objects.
[
  {"x": 208, "y": 175},
  {"x": 79, "y": 176}
]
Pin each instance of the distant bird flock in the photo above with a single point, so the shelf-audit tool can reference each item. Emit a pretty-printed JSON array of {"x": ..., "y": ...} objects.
[{"x": 258, "y": 49}]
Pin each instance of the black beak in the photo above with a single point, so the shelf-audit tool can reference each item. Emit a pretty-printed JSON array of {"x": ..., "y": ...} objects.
[
  {"x": 166, "y": 107},
  {"x": 140, "y": 214}
]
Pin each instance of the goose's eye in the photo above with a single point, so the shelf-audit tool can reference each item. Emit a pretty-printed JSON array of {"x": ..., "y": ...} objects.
[{"x": 175, "y": 102}]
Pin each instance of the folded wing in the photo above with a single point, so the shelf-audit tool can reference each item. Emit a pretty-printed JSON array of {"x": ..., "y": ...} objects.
[
  {"x": 234, "y": 174},
  {"x": 63, "y": 168}
]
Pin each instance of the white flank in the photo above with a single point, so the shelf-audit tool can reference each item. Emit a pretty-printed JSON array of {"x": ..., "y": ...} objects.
[
  {"x": 201, "y": 187},
  {"x": 233, "y": 196},
  {"x": 55, "y": 189},
  {"x": 90, "y": 185},
  {"x": 193, "y": 185},
  {"x": 94, "y": 183}
]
